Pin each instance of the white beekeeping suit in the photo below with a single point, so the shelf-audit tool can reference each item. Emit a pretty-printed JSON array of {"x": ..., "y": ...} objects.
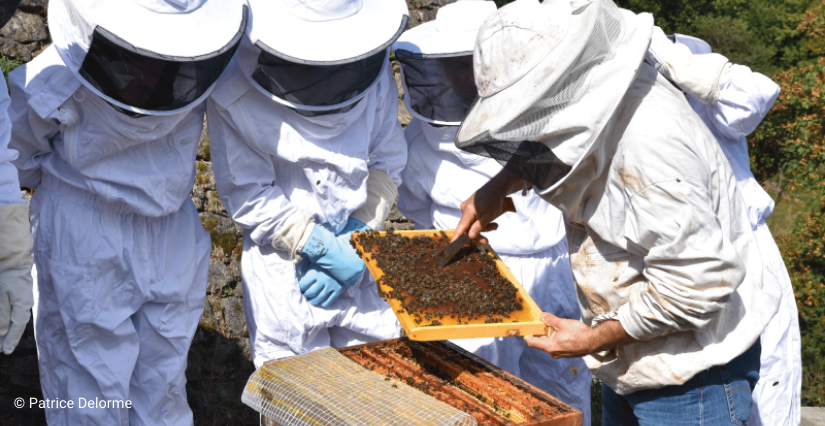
[
  {"x": 15, "y": 234},
  {"x": 306, "y": 148},
  {"x": 436, "y": 63},
  {"x": 732, "y": 100},
  {"x": 107, "y": 123},
  {"x": 659, "y": 236}
]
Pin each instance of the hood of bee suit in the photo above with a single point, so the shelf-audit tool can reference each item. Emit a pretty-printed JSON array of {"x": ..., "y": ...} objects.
[
  {"x": 152, "y": 57},
  {"x": 436, "y": 62},
  {"x": 550, "y": 75},
  {"x": 319, "y": 56},
  {"x": 7, "y": 9}
]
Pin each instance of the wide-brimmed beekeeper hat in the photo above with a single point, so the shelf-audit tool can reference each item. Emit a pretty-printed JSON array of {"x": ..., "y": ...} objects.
[
  {"x": 549, "y": 77},
  {"x": 319, "y": 55},
  {"x": 171, "y": 51},
  {"x": 422, "y": 53},
  {"x": 7, "y": 9}
]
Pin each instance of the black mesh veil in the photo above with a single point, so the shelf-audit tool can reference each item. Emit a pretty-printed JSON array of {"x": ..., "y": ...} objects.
[
  {"x": 317, "y": 85},
  {"x": 148, "y": 81},
  {"x": 7, "y": 9},
  {"x": 439, "y": 88}
]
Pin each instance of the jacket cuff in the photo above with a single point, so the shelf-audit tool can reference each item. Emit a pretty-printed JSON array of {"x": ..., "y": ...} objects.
[
  {"x": 16, "y": 235},
  {"x": 293, "y": 234},
  {"x": 633, "y": 325},
  {"x": 381, "y": 194}
]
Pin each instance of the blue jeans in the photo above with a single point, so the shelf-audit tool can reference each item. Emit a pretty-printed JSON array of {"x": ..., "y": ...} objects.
[{"x": 718, "y": 396}]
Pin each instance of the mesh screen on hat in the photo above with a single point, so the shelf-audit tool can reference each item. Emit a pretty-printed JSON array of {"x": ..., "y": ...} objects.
[
  {"x": 148, "y": 81},
  {"x": 317, "y": 85},
  {"x": 512, "y": 144},
  {"x": 7, "y": 9},
  {"x": 440, "y": 88}
]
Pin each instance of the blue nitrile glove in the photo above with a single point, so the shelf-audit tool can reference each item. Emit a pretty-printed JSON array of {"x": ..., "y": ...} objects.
[
  {"x": 319, "y": 287},
  {"x": 353, "y": 225},
  {"x": 334, "y": 254}
]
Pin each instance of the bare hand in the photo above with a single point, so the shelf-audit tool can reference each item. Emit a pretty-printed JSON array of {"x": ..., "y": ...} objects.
[
  {"x": 570, "y": 338},
  {"x": 565, "y": 338},
  {"x": 485, "y": 205}
]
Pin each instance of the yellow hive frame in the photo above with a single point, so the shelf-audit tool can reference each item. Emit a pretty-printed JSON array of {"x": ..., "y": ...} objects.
[{"x": 533, "y": 326}]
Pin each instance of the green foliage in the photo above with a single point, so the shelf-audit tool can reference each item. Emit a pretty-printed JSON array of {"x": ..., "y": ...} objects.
[
  {"x": 8, "y": 65},
  {"x": 595, "y": 402},
  {"x": 791, "y": 142},
  {"x": 790, "y": 139}
]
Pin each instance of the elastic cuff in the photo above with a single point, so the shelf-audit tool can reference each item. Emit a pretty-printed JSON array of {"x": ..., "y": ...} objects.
[
  {"x": 293, "y": 234},
  {"x": 631, "y": 325},
  {"x": 381, "y": 195},
  {"x": 16, "y": 236}
]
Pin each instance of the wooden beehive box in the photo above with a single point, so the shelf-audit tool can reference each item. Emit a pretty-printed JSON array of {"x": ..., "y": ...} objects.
[
  {"x": 464, "y": 381},
  {"x": 526, "y": 322}
]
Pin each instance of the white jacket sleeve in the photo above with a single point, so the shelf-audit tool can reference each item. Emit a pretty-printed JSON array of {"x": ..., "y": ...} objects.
[
  {"x": 414, "y": 200},
  {"x": 745, "y": 97},
  {"x": 245, "y": 179},
  {"x": 9, "y": 182},
  {"x": 30, "y": 134},
  {"x": 387, "y": 157},
  {"x": 691, "y": 266}
]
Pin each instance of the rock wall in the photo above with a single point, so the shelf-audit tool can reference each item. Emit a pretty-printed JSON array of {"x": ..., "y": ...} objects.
[{"x": 26, "y": 33}]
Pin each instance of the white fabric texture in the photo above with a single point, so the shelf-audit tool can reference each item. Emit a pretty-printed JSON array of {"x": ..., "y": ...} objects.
[
  {"x": 271, "y": 162},
  {"x": 352, "y": 29},
  {"x": 9, "y": 182},
  {"x": 293, "y": 234},
  {"x": 120, "y": 296},
  {"x": 453, "y": 31},
  {"x": 204, "y": 31},
  {"x": 63, "y": 130},
  {"x": 122, "y": 257},
  {"x": 381, "y": 195},
  {"x": 15, "y": 235},
  {"x": 692, "y": 289},
  {"x": 698, "y": 75},
  {"x": 778, "y": 393},
  {"x": 531, "y": 243},
  {"x": 745, "y": 98}
]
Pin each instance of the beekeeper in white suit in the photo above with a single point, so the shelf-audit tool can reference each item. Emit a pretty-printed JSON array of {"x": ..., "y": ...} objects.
[
  {"x": 307, "y": 148},
  {"x": 732, "y": 100},
  {"x": 672, "y": 287},
  {"x": 107, "y": 123},
  {"x": 437, "y": 67},
  {"x": 15, "y": 250}
]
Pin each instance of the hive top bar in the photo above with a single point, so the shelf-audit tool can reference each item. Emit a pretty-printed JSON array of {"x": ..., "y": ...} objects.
[{"x": 475, "y": 295}]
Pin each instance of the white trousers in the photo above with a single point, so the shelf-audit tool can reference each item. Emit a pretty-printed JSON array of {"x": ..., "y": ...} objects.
[
  {"x": 778, "y": 393},
  {"x": 548, "y": 279},
  {"x": 282, "y": 323},
  {"x": 119, "y": 298}
]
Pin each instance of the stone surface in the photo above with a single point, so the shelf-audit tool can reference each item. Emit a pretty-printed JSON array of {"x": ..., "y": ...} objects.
[
  {"x": 219, "y": 276},
  {"x": 25, "y": 28},
  {"x": 34, "y": 6},
  {"x": 15, "y": 50},
  {"x": 813, "y": 416},
  {"x": 424, "y": 10}
]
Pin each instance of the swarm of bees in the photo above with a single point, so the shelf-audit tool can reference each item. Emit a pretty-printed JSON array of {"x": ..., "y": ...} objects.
[{"x": 469, "y": 288}]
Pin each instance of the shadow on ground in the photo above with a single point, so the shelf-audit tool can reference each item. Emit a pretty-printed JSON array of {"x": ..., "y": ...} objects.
[{"x": 217, "y": 373}]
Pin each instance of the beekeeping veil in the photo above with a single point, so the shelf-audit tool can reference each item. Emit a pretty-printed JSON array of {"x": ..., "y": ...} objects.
[
  {"x": 7, "y": 9},
  {"x": 550, "y": 77},
  {"x": 319, "y": 56},
  {"x": 154, "y": 57},
  {"x": 436, "y": 62}
]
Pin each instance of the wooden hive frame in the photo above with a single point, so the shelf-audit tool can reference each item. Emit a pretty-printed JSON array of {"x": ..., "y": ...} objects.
[{"x": 527, "y": 322}]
